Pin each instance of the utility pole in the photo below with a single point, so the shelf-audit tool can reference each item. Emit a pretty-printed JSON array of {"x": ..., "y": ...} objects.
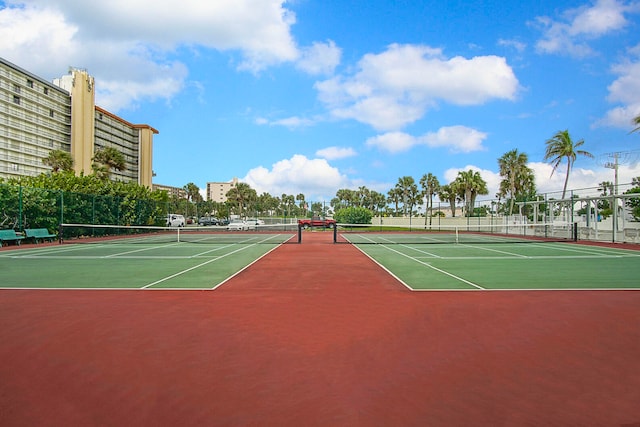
[
  {"x": 613, "y": 161},
  {"x": 614, "y": 202}
]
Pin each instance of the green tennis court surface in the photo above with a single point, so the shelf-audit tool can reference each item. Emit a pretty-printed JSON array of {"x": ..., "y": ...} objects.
[
  {"x": 177, "y": 265},
  {"x": 549, "y": 265},
  {"x": 208, "y": 259}
]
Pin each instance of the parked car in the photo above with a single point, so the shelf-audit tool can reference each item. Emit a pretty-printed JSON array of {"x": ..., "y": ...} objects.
[
  {"x": 208, "y": 220},
  {"x": 254, "y": 221},
  {"x": 237, "y": 225},
  {"x": 175, "y": 220},
  {"x": 223, "y": 221}
]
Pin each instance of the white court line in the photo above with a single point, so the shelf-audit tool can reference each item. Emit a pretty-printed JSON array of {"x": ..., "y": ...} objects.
[
  {"x": 432, "y": 255},
  {"x": 589, "y": 249},
  {"x": 244, "y": 268},
  {"x": 495, "y": 250},
  {"x": 196, "y": 266},
  {"x": 435, "y": 268},
  {"x": 212, "y": 260}
]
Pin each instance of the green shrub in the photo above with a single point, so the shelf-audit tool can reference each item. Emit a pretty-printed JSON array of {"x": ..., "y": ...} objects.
[{"x": 353, "y": 215}]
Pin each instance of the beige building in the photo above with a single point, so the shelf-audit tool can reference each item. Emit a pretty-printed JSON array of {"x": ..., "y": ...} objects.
[
  {"x": 172, "y": 191},
  {"x": 217, "y": 191},
  {"x": 37, "y": 116}
]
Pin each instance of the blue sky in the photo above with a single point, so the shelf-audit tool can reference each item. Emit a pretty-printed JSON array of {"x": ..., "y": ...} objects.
[{"x": 309, "y": 96}]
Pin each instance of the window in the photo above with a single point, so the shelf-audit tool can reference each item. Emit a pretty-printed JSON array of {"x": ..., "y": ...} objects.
[
  {"x": 16, "y": 99},
  {"x": 46, "y": 91},
  {"x": 16, "y": 88},
  {"x": 14, "y": 167},
  {"x": 30, "y": 83},
  {"x": 51, "y": 113}
]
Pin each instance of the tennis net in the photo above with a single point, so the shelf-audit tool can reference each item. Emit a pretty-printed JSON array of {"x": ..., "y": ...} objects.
[
  {"x": 492, "y": 233},
  {"x": 117, "y": 234}
]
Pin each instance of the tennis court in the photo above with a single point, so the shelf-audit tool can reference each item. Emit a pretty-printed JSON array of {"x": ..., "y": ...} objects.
[
  {"x": 496, "y": 258},
  {"x": 313, "y": 334},
  {"x": 201, "y": 259},
  {"x": 105, "y": 257}
]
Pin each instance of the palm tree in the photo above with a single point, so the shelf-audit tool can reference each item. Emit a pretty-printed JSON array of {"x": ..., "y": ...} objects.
[
  {"x": 345, "y": 197},
  {"x": 517, "y": 177},
  {"x": 449, "y": 192},
  {"x": 59, "y": 160},
  {"x": 193, "y": 192},
  {"x": 303, "y": 205},
  {"x": 636, "y": 122},
  {"x": 408, "y": 192},
  {"x": 378, "y": 201},
  {"x": 430, "y": 186},
  {"x": 393, "y": 196},
  {"x": 106, "y": 159},
  {"x": 561, "y": 146},
  {"x": 470, "y": 184},
  {"x": 241, "y": 194},
  {"x": 363, "y": 194}
]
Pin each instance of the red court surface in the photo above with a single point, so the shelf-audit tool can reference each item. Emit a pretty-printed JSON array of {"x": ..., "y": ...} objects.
[{"x": 317, "y": 335}]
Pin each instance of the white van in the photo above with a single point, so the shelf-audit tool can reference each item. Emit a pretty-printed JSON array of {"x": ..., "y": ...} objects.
[{"x": 175, "y": 220}]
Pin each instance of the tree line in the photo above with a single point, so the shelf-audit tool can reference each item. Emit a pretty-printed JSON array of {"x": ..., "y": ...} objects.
[{"x": 517, "y": 184}]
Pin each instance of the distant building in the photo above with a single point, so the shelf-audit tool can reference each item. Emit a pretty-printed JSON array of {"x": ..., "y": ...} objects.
[
  {"x": 217, "y": 191},
  {"x": 37, "y": 117},
  {"x": 178, "y": 192}
]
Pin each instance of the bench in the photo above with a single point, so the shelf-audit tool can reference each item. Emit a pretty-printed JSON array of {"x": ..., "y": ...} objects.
[
  {"x": 38, "y": 234},
  {"x": 10, "y": 236}
]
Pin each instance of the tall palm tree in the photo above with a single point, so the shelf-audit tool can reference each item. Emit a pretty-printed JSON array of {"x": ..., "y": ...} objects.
[
  {"x": 59, "y": 160},
  {"x": 449, "y": 192},
  {"x": 302, "y": 203},
  {"x": 193, "y": 192},
  {"x": 378, "y": 201},
  {"x": 393, "y": 196},
  {"x": 470, "y": 184},
  {"x": 106, "y": 159},
  {"x": 561, "y": 146},
  {"x": 408, "y": 192},
  {"x": 430, "y": 186},
  {"x": 363, "y": 195},
  {"x": 517, "y": 177},
  {"x": 241, "y": 194}
]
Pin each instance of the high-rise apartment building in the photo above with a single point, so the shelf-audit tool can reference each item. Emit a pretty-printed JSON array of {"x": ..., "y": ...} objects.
[
  {"x": 37, "y": 116},
  {"x": 217, "y": 191}
]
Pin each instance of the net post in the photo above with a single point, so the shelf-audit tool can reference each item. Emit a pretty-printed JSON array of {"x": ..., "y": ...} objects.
[
  {"x": 299, "y": 233},
  {"x": 60, "y": 229},
  {"x": 575, "y": 232},
  {"x": 335, "y": 233}
]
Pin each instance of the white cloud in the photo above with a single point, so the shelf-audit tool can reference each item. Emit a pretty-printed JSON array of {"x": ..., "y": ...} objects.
[
  {"x": 459, "y": 139},
  {"x": 319, "y": 58},
  {"x": 396, "y": 87},
  {"x": 517, "y": 45},
  {"x": 289, "y": 122},
  {"x": 333, "y": 153},
  {"x": 393, "y": 142},
  {"x": 624, "y": 90},
  {"x": 125, "y": 44},
  {"x": 571, "y": 34},
  {"x": 315, "y": 178}
]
